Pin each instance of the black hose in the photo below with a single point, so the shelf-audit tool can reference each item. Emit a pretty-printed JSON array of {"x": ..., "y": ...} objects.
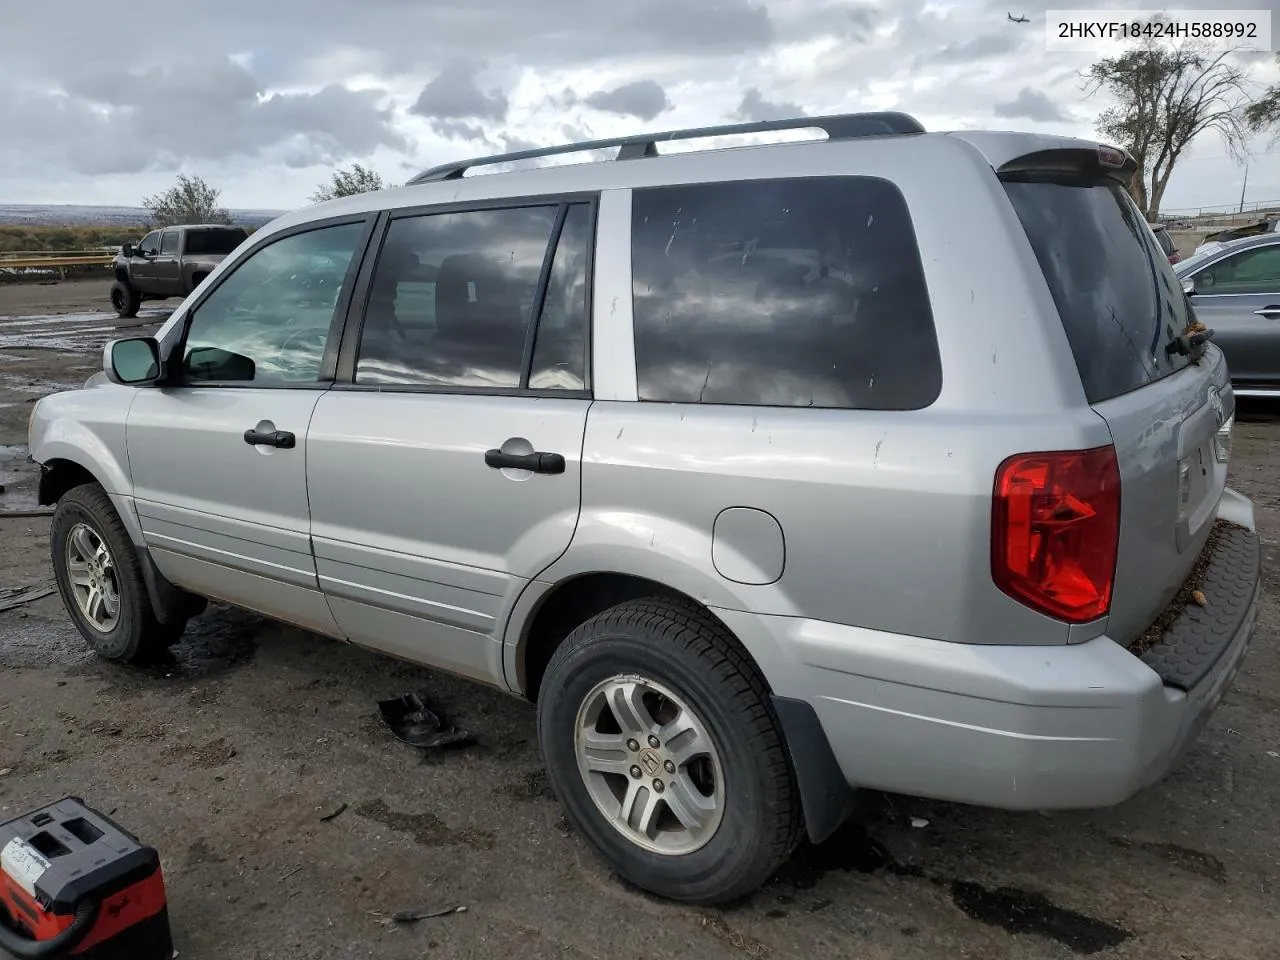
[{"x": 23, "y": 947}]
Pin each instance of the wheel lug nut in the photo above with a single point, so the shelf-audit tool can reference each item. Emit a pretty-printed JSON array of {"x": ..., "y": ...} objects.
[
  {"x": 669, "y": 767},
  {"x": 658, "y": 786},
  {"x": 632, "y": 746},
  {"x": 636, "y": 773},
  {"x": 653, "y": 741}
]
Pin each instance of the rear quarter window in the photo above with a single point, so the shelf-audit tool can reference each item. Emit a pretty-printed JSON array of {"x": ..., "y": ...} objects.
[
  {"x": 785, "y": 292},
  {"x": 213, "y": 243},
  {"x": 1120, "y": 303}
]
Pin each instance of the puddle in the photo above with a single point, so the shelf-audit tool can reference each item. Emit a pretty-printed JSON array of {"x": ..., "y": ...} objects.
[
  {"x": 34, "y": 320},
  {"x": 39, "y": 388},
  {"x": 1018, "y": 911},
  {"x": 850, "y": 850}
]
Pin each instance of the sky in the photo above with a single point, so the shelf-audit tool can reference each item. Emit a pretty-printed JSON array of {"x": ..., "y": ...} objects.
[{"x": 105, "y": 103}]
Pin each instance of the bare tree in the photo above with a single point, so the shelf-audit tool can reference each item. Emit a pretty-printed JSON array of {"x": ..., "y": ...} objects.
[
  {"x": 1166, "y": 96},
  {"x": 191, "y": 200},
  {"x": 347, "y": 183}
]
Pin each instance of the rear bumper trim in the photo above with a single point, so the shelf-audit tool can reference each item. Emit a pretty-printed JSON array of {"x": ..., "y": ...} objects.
[{"x": 1191, "y": 646}]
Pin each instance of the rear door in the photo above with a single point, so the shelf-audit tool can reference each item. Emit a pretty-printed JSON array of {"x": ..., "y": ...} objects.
[
  {"x": 1122, "y": 309},
  {"x": 444, "y": 473},
  {"x": 1239, "y": 297}
]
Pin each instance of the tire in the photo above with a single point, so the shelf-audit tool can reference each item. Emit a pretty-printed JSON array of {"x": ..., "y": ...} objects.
[
  {"x": 702, "y": 671},
  {"x": 85, "y": 520},
  {"x": 125, "y": 299}
]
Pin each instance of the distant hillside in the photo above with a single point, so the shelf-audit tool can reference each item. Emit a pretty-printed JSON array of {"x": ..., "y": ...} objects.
[{"x": 76, "y": 215}]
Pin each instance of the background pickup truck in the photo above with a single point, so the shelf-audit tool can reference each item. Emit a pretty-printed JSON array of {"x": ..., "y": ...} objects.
[{"x": 169, "y": 263}]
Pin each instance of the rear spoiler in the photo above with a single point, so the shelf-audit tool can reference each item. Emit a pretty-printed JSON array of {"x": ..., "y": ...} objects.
[{"x": 1077, "y": 162}]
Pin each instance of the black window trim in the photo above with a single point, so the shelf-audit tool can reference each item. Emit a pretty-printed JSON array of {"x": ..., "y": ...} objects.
[
  {"x": 324, "y": 379},
  {"x": 348, "y": 351}
]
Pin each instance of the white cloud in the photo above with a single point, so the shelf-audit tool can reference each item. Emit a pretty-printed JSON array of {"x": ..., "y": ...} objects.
[{"x": 263, "y": 99}]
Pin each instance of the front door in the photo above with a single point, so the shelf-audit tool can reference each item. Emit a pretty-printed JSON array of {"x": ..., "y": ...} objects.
[
  {"x": 1239, "y": 297},
  {"x": 219, "y": 458},
  {"x": 165, "y": 270},
  {"x": 445, "y": 473},
  {"x": 142, "y": 264}
]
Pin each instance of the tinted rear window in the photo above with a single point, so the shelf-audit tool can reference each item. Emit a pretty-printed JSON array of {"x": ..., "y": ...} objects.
[
  {"x": 1165, "y": 241},
  {"x": 1116, "y": 293},
  {"x": 212, "y": 243},
  {"x": 789, "y": 292}
]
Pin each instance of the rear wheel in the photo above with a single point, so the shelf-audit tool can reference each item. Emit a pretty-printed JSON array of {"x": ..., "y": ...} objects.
[
  {"x": 125, "y": 299},
  {"x": 662, "y": 745},
  {"x": 101, "y": 582}
]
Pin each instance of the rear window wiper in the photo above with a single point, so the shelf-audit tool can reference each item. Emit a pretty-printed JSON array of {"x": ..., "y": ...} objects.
[{"x": 1192, "y": 341}]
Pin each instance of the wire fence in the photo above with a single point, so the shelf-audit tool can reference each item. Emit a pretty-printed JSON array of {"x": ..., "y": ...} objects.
[{"x": 1222, "y": 216}]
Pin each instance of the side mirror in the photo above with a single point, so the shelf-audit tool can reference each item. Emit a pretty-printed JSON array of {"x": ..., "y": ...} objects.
[
  {"x": 132, "y": 363},
  {"x": 126, "y": 250},
  {"x": 1189, "y": 287},
  {"x": 213, "y": 363}
]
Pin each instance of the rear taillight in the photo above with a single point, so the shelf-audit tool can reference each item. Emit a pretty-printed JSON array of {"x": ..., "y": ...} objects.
[{"x": 1055, "y": 530}]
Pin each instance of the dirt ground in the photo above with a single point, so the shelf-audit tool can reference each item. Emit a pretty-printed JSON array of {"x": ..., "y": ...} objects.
[{"x": 230, "y": 758}]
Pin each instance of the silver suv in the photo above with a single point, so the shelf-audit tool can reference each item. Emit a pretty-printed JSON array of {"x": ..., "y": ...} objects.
[{"x": 892, "y": 459}]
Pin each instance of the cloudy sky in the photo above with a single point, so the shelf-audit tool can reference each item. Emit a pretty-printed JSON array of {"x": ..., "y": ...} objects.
[{"x": 106, "y": 102}]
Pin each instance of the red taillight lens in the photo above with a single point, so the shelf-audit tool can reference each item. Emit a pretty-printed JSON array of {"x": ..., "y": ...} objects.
[{"x": 1055, "y": 530}]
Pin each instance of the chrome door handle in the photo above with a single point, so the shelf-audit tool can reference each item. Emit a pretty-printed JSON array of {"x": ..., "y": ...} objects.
[{"x": 1269, "y": 312}]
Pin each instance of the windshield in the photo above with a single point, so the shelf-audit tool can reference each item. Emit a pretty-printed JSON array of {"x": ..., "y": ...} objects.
[
  {"x": 1121, "y": 304},
  {"x": 212, "y": 243}
]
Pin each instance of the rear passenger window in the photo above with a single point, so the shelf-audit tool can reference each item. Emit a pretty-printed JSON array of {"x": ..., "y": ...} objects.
[
  {"x": 794, "y": 293},
  {"x": 454, "y": 296}
]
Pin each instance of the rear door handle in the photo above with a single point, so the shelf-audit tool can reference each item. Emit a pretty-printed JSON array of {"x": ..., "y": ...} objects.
[
  {"x": 1272, "y": 311},
  {"x": 537, "y": 462},
  {"x": 271, "y": 438}
]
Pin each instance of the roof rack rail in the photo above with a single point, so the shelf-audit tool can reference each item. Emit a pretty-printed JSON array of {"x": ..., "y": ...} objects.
[{"x": 844, "y": 126}]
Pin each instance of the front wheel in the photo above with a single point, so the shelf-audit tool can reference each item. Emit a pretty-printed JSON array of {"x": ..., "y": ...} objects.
[
  {"x": 100, "y": 580},
  {"x": 662, "y": 744},
  {"x": 125, "y": 299}
]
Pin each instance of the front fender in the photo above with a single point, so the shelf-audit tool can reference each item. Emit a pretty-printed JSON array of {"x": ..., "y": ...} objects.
[{"x": 87, "y": 428}]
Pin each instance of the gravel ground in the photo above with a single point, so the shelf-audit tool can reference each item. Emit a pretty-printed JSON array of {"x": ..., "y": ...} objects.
[{"x": 229, "y": 759}]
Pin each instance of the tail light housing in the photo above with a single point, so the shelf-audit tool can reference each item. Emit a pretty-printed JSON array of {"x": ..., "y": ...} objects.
[{"x": 1055, "y": 531}]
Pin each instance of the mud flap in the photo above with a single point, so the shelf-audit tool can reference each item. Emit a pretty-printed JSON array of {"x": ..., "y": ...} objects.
[
  {"x": 171, "y": 604},
  {"x": 825, "y": 795}
]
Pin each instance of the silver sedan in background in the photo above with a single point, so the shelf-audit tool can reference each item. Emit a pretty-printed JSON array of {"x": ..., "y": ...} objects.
[{"x": 1235, "y": 287}]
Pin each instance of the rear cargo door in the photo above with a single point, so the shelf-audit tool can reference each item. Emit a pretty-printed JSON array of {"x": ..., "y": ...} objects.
[{"x": 1123, "y": 311}]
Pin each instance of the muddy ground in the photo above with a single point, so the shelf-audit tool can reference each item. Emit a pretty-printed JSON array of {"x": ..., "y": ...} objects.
[{"x": 230, "y": 758}]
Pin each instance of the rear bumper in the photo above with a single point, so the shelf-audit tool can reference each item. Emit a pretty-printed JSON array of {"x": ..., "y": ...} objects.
[{"x": 1085, "y": 725}]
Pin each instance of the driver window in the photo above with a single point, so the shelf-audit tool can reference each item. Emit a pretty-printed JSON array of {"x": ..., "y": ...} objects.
[
  {"x": 268, "y": 322},
  {"x": 150, "y": 244}
]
